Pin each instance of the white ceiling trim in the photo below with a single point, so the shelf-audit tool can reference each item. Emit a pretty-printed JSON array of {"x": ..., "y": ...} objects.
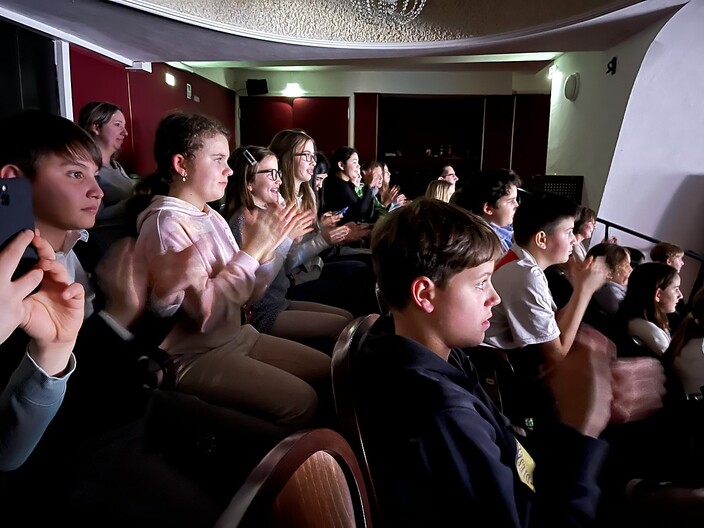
[
  {"x": 155, "y": 9},
  {"x": 58, "y": 34}
]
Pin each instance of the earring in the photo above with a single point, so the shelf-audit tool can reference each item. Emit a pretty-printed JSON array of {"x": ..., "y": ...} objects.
[{"x": 184, "y": 176}]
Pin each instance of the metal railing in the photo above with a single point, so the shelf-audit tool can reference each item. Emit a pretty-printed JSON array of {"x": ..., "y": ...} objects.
[{"x": 698, "y": 282}]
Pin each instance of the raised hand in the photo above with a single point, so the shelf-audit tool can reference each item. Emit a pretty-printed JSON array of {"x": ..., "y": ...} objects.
[
  {"x": 13, "y": 293},
  {"x": 303, "y": 224},
  {"x": 53, "y": 316},
  {"x": 265, "y": 229},
  {"x": 589, "y": 275},
  {"x": 356, "y": 232},
  {"x": 123, "y": 281}
]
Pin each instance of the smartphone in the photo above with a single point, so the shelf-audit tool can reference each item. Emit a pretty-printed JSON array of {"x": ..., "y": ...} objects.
[
  {"x": 341, "y": 211},
  {"x": 16, "y": 214}
]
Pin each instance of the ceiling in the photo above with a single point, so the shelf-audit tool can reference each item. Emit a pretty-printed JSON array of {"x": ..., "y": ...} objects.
[{"x": 506, "y": 37}]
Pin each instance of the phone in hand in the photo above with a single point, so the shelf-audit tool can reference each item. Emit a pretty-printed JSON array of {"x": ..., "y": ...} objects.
[
  {"x": 16, "y": 215},
  {"x": 341, "y": 211}
]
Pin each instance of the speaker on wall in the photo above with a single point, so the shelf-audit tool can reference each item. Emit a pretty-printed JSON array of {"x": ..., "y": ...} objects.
[{"x": 257, "y": 87}]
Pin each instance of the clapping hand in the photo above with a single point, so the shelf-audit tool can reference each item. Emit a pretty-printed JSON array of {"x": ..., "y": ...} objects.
[{"x": 52, "y": 316}]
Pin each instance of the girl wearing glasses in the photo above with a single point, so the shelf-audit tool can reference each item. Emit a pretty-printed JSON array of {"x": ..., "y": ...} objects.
[
  {"x": 202, "y": 277},
  {"x": 346, "y": 284},
  {"x": 255, "y": 184}
]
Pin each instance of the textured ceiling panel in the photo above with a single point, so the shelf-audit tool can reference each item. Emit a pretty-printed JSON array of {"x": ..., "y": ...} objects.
[{"x": 335, "y": 21}]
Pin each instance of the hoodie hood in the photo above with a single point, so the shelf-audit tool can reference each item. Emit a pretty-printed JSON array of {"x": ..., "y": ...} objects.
[{"x": 169, "y": 203}]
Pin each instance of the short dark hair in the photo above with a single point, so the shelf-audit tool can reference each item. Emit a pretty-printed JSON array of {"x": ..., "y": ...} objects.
[
  {"x": 664, "y": 250},
  {"x": 340, "y": 155},
  {"x": 486, "y": 187},
  {"x": 28, "y": 136},
  {"x": 427, "y": 238},
  {"x": 540, "y": 212}
]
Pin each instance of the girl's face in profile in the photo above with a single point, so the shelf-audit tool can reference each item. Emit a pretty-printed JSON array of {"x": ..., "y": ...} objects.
[
  {"x": 351, "y": 169},
  {"x": 207, "y": 171},
  {"x": 668, "y": 297},
  {"x": 304, "y": 167},
  {"x": 264, "y": 189},
  {"x": 622, "y": 272}
]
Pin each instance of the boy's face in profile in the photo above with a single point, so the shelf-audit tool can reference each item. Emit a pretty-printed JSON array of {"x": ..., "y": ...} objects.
[
  {"x": 559, "y": 243},
  {"x": 463, "y": 307},
  {"x": 502, "y": 214},
  {"x": 65, "y": 192},
  {"x": 677, "y": 261}
]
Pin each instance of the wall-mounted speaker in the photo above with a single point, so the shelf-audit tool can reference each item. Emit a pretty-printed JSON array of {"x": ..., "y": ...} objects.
[{"x": 257, "y": 87}]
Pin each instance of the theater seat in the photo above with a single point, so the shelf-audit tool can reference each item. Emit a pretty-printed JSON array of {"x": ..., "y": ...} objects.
[{"x": 310, "y": 479}]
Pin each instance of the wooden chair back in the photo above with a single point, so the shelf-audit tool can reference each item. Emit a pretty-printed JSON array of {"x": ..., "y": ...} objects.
[
  {"x": 352, "y": 338},
  {"x": 311, "y": 479}
]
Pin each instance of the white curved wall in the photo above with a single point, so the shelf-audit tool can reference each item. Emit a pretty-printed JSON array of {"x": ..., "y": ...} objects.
[{"x": 656, "y": 180}]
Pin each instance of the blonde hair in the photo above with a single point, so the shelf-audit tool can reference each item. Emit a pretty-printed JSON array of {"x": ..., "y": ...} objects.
[{"x": 439, "y": 189}]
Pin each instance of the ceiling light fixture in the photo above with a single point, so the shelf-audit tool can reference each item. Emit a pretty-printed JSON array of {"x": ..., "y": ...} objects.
[{"x": 395, "y": 11}]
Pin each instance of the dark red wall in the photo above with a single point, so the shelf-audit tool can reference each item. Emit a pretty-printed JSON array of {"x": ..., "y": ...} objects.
[
  {"x": 325, "y": 119},
  {"x": 145, "y": 98}
]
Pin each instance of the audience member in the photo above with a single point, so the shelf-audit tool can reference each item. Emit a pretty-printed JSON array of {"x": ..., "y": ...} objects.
[
  {"x": 618, "y": 261},
  {"x": 584, "y": 223},
  {"x": 669, "y": 254},
  {"x": 686, "y": 351},
  {"x": 106, "y": 124},
  {"x": 493, "y": 195},
  {"x": 51, "y": 318},
  {"x": 373, "y": 178},
  {"x": 448, "y": 174},
  {"x": 652, "y": 293},
  {"x": 339, "y": 189},
  {"x": 390, "y": 196},
  {"x": 344, "y": 283},
  {"x": 91, "y": 463},
  {"x": 198, "y": 273},
  {"x": 543, "y": 231},
  {"x": 255, "y": 186},
  {"x": 320, "y": 172},
  {"x": 440, "y": 190},
  {"x": 440, "y": 451}
]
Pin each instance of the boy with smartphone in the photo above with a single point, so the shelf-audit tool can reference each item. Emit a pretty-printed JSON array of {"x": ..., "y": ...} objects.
[
  {"x": 100, "y": 419},
  {"x": 51, "y": 318}
]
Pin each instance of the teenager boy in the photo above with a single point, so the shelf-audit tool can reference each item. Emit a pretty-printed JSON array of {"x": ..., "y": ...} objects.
[
  {"x": 543, "y": 232},
  {"x": 96, "y": 434},
  {"x": 441, "y": 454},
  {"x": 493, "y": 195},
  {"x": 669, "y": 254}
]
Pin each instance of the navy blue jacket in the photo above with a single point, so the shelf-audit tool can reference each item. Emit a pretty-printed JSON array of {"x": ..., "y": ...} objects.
[{"x": 442, "y": 455}]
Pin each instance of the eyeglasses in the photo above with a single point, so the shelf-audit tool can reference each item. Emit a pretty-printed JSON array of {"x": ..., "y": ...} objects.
[
  {"x": 272, "y": 174},
  {"x": 308, "y": 156}
]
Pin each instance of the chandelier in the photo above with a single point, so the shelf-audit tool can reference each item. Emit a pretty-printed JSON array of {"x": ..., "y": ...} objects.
[{"x": 397, "y": 11}]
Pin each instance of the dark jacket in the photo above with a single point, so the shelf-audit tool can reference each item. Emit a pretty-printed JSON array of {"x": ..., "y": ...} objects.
[
  {"x": 339, "y": 194},
  {"x": 442, "y": 455}
]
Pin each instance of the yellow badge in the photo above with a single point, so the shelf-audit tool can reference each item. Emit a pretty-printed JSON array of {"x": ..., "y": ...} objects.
[{"x": 525, "y": 465}]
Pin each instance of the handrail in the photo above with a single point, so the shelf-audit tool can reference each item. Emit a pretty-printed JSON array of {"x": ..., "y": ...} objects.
[
  {"x": 698, "y": 282},
  {"x": 608, "y": 224}
]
